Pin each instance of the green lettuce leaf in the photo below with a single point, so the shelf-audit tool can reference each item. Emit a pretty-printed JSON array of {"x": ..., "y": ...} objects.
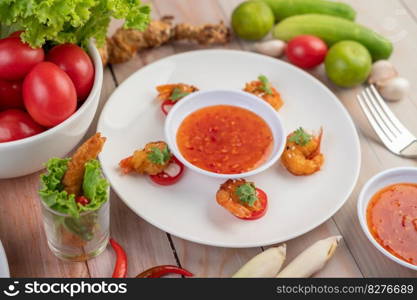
[
  {"x": 52, "y": 193},
  {"x": 95, "y": 187},
  {"x": 70, "y": 21}
]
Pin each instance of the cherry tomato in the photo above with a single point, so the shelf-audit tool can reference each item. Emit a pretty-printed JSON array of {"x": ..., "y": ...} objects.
[
  {"x": 264, "y": 203},
  {"x": 16, "y": 33},
  {"x": 16, "y": 124},
  {"x": 17, "y": 58},
  {"x": 165, "y": 179},
  {"x": 82, "y": 200},
  {"x": 306, "y": 51},
  {"x": 77, "y": 64},
  {"x": 11, "y": 94},
  {"x": 49, "y": 94}
]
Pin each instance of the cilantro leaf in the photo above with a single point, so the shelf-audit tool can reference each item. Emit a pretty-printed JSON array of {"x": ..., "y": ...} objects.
[
  {"x": 178, "y": 94},
  {"x": 266, "y": 85},
  {"x": 158, "y": 156},
  {"x": 247, "y": 193},
  {"x": 300, "y": 137}
]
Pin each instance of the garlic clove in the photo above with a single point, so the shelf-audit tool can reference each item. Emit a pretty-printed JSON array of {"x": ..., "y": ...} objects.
[
  {"x": 394, "y": 89},
  {"x": 274, "y": 48},
  {"x": 382, "y": 70}
]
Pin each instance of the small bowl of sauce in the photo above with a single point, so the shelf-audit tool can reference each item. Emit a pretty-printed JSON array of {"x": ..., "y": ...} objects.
[
  {"x": 387, "y": 209},
  {"x": 225, "y": 133}
]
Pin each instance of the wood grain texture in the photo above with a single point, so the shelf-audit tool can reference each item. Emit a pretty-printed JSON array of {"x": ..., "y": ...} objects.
[{"x": 21, "y": 230}]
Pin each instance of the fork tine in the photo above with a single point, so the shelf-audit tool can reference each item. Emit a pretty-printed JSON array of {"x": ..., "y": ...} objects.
[
  {"x": 387, "y": 125},
  {"x": 393, "y": 119},
  {"x": 374, "y": 124}
]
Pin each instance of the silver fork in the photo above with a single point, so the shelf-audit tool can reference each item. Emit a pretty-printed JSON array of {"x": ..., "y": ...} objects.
[{"x": 392, "y": 133}]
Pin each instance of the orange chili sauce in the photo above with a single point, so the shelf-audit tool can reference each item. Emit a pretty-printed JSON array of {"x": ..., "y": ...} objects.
[
  {"x": 392, "y": 220},
  {"x": 225, "y": 139}
]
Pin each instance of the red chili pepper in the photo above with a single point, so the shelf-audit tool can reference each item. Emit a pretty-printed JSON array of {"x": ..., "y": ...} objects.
[
  {"x": 167, "y": 104},
  {"x": 82, "y": 200},
  {"x": 264, "y": 202},
  {"x": 159, "y": 271},
  {"x": 120, "y": 268},
  {"x": 165, "y": 179}
]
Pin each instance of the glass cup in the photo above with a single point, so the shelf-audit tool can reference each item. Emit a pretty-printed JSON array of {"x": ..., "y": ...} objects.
[{"x": 77, "y": 239}]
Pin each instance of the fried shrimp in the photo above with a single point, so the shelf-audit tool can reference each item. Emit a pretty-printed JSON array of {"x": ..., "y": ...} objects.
[
  {"x": 302, "y": 154},
  {"x": 73, "y": 178},
  {"x": 174, "y": 92},
  {"x": 153, "y": 159},
  {"x": 240, "y": 198},
  {"x": 263, "y": 89}
]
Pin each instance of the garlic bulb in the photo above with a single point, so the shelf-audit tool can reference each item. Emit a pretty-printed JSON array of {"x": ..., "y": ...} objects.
[
  {"x": 382, "y": 70},
  {"x": 394, "y": 89},
  {"x": 274, "y": 48}
]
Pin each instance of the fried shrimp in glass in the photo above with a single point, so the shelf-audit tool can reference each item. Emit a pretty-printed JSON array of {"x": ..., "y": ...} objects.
[
  {"x": 73, "y": 178},
  {"x": 242, "y": 199},
  {"x": 151, "y": 160},
  {"x": 263, "y": 89},
  {"x": 302, "y": 154}
]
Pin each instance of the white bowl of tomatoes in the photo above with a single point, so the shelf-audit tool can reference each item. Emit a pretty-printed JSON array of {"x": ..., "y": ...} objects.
[{"x": 48, "y": 99}]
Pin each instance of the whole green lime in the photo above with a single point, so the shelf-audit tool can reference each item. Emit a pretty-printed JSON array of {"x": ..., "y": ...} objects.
[
  {"x": 348, "y": 63},
  {"x": 252, "y": 20}
]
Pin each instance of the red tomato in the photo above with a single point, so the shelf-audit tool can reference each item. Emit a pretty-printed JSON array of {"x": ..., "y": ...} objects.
[
  {"x": 306, "y": 51},
  {"x": 164, "y": 178},
  {"x": 264, "y": 202},
  {"x": 11, "y": 94},
  {"x": 49, "y": 94},
  {"x": 16, "y": 124},
  {"x": 17, "y": 58},
  {"x": 77, "y": 64},
  {"x": 16, "y": 33}
]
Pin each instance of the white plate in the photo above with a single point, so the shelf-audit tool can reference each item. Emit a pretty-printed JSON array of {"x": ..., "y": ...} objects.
[
  {"x": 132, "y": 117},
  {"x": 4, "y": 267}
]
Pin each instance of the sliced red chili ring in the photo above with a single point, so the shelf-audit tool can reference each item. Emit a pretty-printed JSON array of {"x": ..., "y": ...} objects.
[
  {"x": 166, "y": 106},
  {"x": 264, "y": 203},
  {"x": 164, "y": 178},
  {"x": 159, "y": 271}
]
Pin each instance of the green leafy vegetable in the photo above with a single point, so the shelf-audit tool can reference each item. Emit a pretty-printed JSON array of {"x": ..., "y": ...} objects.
[
  {"x": 300, "y": 137},
  {"x": 70, "y": 21},
  {"x": 95, "y": 188},
  {"x": 247, "y": 193},
  {"x": 266, "y": 85},
  {"x": 177, "y": 94},
  {"x": 158, "y": 156}
]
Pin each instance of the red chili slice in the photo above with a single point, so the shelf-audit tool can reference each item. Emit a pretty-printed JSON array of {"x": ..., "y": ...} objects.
[
  {"x": 166, "y": 105},
  {"x": 82, "y": 200},
  {"x": 264, "y": 202},
  {"x": 159, "y": 271},
  {"x": 165, "y": 179}
]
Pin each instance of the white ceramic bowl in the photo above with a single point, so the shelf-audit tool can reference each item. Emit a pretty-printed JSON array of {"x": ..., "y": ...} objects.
[
  {"x": 202, "y": 99},
  {"x": 376, "y": 183},
  {"x": 22, "y": 157}
]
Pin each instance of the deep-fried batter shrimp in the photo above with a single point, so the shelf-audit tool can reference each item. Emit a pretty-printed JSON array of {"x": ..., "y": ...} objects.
[
  {"x": 73, "y": 178},
  {"x": 302, "y": 154},
  {"x": 152, "y": 160},
  {"x": 263, "y": 89},
  {"x": 230, "y": 197},
  {"x": 174, "y": 92}
]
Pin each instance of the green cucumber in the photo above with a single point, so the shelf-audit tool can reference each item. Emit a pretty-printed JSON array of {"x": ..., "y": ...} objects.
[
  {"x": 332, "y": 30},
  {"x": 286, "y": 8}
]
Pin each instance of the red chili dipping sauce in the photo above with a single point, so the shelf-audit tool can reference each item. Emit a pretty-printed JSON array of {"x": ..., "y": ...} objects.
[
  {"x": 225, "y": 139},
  {"x": 392, "y": 220}
]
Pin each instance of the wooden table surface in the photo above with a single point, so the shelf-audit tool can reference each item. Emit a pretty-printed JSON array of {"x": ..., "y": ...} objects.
[{"x": 21, "y": 230}]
